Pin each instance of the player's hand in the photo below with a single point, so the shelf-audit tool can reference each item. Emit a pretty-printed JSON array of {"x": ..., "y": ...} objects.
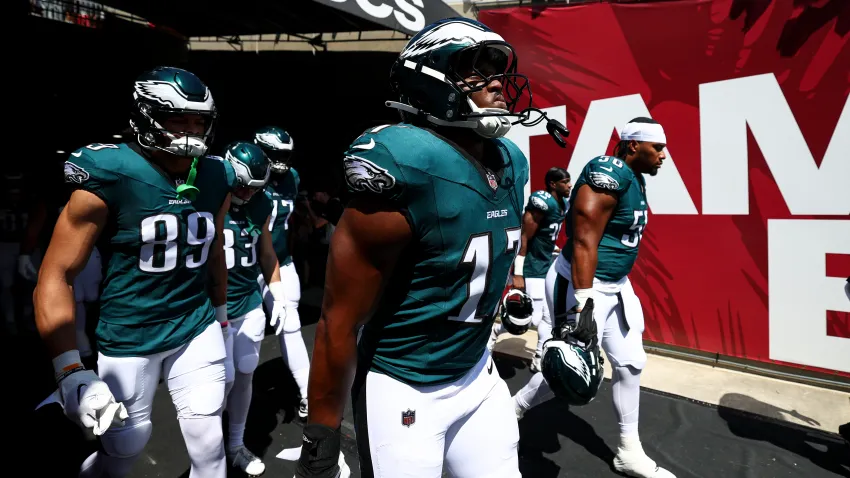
[
  {"x": 278, "y": 316},
  {"x": 26, "y": 268},
  {"x": 320, "y": 453},
  {"x": 580, "y": 323},
  {"x": 518, "y": 282},
  {"x": 88, "y": 401}
]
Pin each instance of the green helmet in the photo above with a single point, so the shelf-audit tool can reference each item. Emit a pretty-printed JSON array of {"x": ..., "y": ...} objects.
[
  {"x": 250, "y": 163},
  {"x": 573, "y": 372},
  {"x": 277, "y": 145},
  {"x": 430, "y": 74},
  {"x": 162, "y": 93}
]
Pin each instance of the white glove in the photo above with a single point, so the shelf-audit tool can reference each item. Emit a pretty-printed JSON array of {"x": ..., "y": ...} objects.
[
  {"x": 278, "y": 316},
  {"x": 86, "y": 398},
  {"x": 26, "y": 268}
]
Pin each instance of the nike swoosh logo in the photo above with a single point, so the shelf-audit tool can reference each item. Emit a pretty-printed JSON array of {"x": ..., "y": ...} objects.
[
  {"x": 369, "y": 145},
  {"x": 77, "y": 154},
  {"x": 607, "y": 169}
]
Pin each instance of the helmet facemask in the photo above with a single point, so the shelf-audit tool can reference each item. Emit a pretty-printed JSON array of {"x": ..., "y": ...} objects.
[{"x": 148, "y": 122}]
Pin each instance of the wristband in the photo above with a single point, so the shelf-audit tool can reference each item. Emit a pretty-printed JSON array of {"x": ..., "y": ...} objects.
[
  {"x": 582, "y": 295},
  {"x": 519, "y": 262},
  {"x": 276, "y": 290},
  {"x": 67, "y": 363}
]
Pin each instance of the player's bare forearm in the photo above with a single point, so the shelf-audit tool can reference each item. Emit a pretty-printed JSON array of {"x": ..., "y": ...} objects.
[
  {"x": 530, "y": 224},
  {"x": 363, "y": 253},
  {"x": 35, "y": 222},
  {"x": 592, "y": 210},
  {"x": 269, "y": 265},
  {"x": 74, "y": 236},
  {"x": 217, "y": 268}
]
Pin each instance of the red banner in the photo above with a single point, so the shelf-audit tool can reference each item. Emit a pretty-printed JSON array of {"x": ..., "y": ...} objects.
[{"x": 747, "y": 250}]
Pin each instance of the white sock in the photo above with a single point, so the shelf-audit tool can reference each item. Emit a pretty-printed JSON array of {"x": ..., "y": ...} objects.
[
  {"x": 297, "y": 359},
  {"x": 238, "y": 403},
  {"x": 544, "y": 333},
  {"x": 535, "y": 392},
  {"x": 626, "y": 392}
]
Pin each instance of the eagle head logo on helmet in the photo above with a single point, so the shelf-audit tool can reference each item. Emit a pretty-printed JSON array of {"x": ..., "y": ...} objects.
[
  {"x": 573, "y": 371},
  {"x": 516, "y": 311}
]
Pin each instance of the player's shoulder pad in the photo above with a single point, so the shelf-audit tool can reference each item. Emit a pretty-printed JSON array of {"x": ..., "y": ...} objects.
[
  {"x": 220, "y": 166},
  {"x": 96, "y": 163},
  {"x": 539, "y": 200},
  {"x": 608, "y": 172},
  {"x": 371, "y": 167}
]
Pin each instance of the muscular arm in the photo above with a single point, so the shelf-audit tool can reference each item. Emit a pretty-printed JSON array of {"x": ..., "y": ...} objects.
[
  {"x": 363, "y": 252},
  {"x": 268, "y": 257},
  {"x": 217, "y": 268},
  {"x": 592, "y": 210},
  {"x": 74, "y": 236},
  {"x": 530, "y": 223}
]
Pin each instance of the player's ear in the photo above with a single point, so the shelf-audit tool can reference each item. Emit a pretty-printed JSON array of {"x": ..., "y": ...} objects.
[{"x": 633, "y": 146}]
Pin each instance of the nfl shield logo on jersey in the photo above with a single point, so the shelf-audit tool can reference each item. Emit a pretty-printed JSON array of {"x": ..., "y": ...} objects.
[
  {"x": 408, "y": 418},
  {"x": 491, "y": 178}
]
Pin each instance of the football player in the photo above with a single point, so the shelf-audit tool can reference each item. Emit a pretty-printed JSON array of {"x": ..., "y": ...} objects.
[
  {"x": 282, "y": 190},
  {"x": 421, "y": 257},
  {"x": 541, "y": 224},
  {"x": 248, "y": 251},
  {"x": 156, "y": 209},
  {"x": 588, "y": 287}
]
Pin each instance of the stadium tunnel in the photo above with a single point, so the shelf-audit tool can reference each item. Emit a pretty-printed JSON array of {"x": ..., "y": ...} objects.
[{"x": 317, "y": 68}]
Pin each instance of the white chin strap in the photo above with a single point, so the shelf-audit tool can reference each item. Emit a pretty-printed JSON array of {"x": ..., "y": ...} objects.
[
  {"x": 490, "y": 127},
  {"x": 486, "y": 126},
  {"x": 188, "y": 146}
]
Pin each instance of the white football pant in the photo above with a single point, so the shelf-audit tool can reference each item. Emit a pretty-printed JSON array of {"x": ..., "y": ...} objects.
[
  {"x": 620, "y": 324},
  {"x": 408, "y": 430},
  {"x": 195, "y": 377}
]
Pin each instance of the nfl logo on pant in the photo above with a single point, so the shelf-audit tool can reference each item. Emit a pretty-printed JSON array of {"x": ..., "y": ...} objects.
[{"x": 408, "y": 418}]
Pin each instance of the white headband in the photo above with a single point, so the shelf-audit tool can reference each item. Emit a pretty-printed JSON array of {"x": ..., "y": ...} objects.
[{"x": 652, "y": 132}]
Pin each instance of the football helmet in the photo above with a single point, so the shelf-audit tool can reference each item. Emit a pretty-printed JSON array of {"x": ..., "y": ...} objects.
[
  {"x": 164, "y": 92},
  {"x": 277, "y": 145},
  {"x": 516, "y": 311},
  {"x": 251, "y": 164},
  {"x": 573, "y": 371},
  {"x": 430, "y": 74}
]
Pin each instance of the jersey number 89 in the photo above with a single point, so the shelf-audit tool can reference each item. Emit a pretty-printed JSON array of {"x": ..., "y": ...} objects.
[{"x": 160, "y": 234}]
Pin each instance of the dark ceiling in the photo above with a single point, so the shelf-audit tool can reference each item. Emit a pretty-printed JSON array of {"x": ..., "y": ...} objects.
[{"x": 244, "y": 17}]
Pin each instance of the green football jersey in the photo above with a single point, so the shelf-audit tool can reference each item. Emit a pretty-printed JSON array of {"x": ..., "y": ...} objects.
[
  {"x": 434, "y": 319},
  {"x": 242, "y": 229},
  {"x": 538, "y": 254},
  {"x": 618, "y": 248},
  {"x": 154, "y": 247},
  {"x": 282, "y": 190}
]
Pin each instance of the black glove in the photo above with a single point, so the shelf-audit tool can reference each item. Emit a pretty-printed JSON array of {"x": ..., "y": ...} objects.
[
  {"x": 580, "y": 325},
  {"x": 319, "y": 453}
]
